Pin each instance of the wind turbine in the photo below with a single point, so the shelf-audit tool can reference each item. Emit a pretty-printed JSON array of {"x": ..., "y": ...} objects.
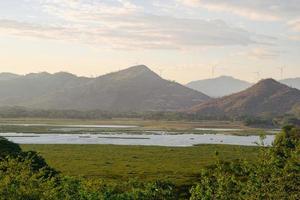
[
  {"x": 258, "y": 75},
  {"x": 281, "y": 72},
  {"x": 213, "y": 68}
]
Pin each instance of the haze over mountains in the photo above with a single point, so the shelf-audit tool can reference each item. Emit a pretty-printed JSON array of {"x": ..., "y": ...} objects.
[
  {"x": 292, "y": 82},
  {"x": 226, "y": 85},
  {"x": 133, "y": 89},
  {"x": 218, "y": 87},
  {"x": 268, "y": 97},
  {"x": 140, "y": 89},
  {"x": 8, "y": 76}
]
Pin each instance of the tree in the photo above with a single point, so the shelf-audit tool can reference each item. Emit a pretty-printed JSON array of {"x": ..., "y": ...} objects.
[
  {"x": 276, "y": 174},
  {"x": 8, "y": 148}
]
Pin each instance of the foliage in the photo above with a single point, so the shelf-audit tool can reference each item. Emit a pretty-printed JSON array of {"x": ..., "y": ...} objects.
[
  {"x": 276, "y": 174},
  {"x": 259, "y": 121},
  {"x": 8, "y": 148},
  {"x": 19, "y": 181},
  {"x": 289, "y": 119},
  {"x": 26, "y": 175}
]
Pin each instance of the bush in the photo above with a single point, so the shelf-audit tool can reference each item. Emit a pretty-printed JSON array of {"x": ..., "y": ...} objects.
[
  {"x": 276, "y": 175},
  {"x": 8, "y": 148}
]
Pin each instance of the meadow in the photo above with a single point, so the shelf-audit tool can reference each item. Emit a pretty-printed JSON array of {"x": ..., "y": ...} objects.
[{"x": 179, "y": 165}]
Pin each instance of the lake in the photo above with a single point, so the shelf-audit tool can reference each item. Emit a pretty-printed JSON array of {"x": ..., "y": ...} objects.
[
  {"x": 72, "y": 126},
  {"x": 165, "y": 139}
]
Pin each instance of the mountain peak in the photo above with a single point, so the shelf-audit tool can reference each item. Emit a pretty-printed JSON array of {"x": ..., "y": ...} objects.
[
  {"x": 220, "y": 86},
  {"x": 138, "y": 68},
  {"x": 268, "y": 81},
  {"x": 138, "y": 71},
  {"x": 64, "y": 74},
  {"x": 269, "y": 85},
  {"x": 225, "y": 77},
  {"x": 267, "y": 97}
]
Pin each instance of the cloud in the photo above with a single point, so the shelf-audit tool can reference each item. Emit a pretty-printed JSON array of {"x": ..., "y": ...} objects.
[
  {"x": 294, "y": 37},
  {"x": 260, "y": 53},
  {"x": 295, "y": 25},
  {"x": 261, "y": 10},
  {"x": 122, "y": 24}
]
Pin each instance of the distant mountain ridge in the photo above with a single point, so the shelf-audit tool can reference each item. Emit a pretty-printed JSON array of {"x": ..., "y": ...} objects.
[
  {"x": 134, "y": 89},
  {"x": 292, "y": 82},
  {"x": 268, "y": 97},
  {"x": 220, "y": 86},
  {"x": 227, "y": 85},
  {"x": 7, "y": 76}
]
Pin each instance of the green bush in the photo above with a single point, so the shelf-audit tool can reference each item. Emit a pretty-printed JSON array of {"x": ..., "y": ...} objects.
[
  {"x": 276, "y": 175},
  {"x": 8, "y": 148}
]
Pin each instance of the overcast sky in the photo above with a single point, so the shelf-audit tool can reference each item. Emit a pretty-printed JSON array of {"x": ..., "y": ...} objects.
[{"x": 180, "y": 39}]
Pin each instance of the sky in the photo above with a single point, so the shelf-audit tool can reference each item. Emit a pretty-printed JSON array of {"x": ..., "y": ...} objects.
[{"x": 182, "y": 40}]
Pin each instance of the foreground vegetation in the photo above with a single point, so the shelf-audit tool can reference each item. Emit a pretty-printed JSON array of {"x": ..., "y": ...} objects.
[{"x": 274, "y": 175}]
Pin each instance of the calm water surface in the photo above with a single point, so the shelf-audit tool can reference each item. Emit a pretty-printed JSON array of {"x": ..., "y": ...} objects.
[
  {"x": 72, "y": 126},
  {"x": 178, "y": 140}
]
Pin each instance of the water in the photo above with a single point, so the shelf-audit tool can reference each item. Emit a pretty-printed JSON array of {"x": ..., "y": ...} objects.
[
  {"x": 171, "y": 140},
  {"x": 218, "y": 129},
  {"x": 72, "y": 126}
]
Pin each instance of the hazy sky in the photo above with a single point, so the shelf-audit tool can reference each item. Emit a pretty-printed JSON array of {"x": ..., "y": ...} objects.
[{"x": 180, "y": 39}]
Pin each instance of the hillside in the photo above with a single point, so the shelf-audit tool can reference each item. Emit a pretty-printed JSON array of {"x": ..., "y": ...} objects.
[
  {"x": 219, "y": 87},
  {"x": 133, "y": 89},
  {"x": 24, "y": 90},
  {"x": 268, "y": 97}
]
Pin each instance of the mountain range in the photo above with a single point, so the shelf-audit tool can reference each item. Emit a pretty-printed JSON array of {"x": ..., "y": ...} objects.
[
  {"x": 140, "y": 89},
  {"x": 292, "y": 82},
  {"x": 8, "y": 76},
  {"x": 134, "y": 89},
  {"x": 267, "y": 97},
  {"x": 219, "y": 87},
  {"x": 227, "y": 85}
]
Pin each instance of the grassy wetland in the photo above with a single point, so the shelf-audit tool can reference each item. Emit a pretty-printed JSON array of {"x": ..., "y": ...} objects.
[{"x": 113, "y": 163}]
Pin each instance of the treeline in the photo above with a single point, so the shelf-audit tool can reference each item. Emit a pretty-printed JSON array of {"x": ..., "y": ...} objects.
[
  {"x": 258, "y": 121},
  {"x": 269, "y": 122},
  {"x": 22, "y": 112},
  {"x": 275, "y": 175}
]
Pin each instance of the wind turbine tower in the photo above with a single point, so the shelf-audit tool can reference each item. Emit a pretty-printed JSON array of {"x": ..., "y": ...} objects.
[
  {"x": 213, "y": 69},
  {"x": 281, "y": 72},
  {"x": 257, "y": 75}
]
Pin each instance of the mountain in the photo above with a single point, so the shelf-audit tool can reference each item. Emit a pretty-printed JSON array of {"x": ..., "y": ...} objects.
[
  {"x": 24, "y": 90},
  {"x": 133, "y": 89},
  {"x": 219, "y": 87},
  {"x": 7, "y": 76},
  {"x": 268, "y": 97},
  {"x": 292, "y": 82}
]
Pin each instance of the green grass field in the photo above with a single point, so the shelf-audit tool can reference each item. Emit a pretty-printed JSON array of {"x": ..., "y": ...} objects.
[{"x": 116, "y": 163}]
